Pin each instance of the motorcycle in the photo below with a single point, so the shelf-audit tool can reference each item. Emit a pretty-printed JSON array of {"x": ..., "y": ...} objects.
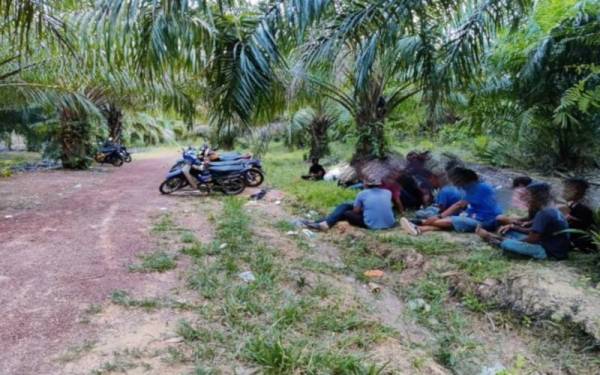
[
  {"x": 110, "y": 154},
  {"x": 251, "y": 168},
  {"x": 125, "y": 154},
  {"x": 230, "y": 181}
]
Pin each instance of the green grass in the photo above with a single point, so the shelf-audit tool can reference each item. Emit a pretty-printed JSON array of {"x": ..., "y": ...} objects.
[
  {"x": 11, "y": 159},
  {"x": 158, "y": 261},
  {"x": 485, "y": 263},
  {"x": 279, "y": 322},
  {"x": 284, "y": 170},
  {"x": 164, "y": 224}
]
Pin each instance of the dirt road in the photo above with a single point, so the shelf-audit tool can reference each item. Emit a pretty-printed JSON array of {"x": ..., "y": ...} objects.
[{"x": 65, "y": 241}]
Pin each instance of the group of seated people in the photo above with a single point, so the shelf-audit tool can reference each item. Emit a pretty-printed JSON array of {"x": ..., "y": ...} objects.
[{"x": 456, "y": 199}]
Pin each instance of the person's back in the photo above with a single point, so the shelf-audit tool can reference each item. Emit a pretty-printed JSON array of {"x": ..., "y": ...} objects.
[
  {"x": 551, "y": 225},
  {"x": 411, "y": 195},
  {"x": 447, "y": 196},
  {"x": 483, "y": 205},
  {"x": 377, "y": 208}
]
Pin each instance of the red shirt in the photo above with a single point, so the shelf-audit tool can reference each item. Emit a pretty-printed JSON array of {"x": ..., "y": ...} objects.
[{"x": 393, "y": 187}]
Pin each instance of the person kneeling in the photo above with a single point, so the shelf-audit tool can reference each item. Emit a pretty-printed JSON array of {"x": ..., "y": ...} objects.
[
  {"x": 372, "y": 209},
  {"x": 547, "y": 236}
]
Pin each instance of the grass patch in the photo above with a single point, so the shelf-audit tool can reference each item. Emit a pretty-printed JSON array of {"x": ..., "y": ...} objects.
[
  {"x": 164, "y": 224},
  {"x": 122, "y": 298},
  {"x": 13, "y": 159},
  {"x": 358, "y": 258},
  {"x": 188, "y": 237},
  {"x": 277, "y": 321},
  {"x": 76, "y": 352},
  {"x": 158, "y": 261},
  {"x": 485, "y": 264},
  {"x": 426, "y": 245},
  {"x": 285, "y": 169}
]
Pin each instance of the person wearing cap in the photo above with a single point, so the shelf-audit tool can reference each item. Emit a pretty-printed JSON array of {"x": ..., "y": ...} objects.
[
  {"x": 372, "y": 209},
  {"x": 546, "y": 238}
]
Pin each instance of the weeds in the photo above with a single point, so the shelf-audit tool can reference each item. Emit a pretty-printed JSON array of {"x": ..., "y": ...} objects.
[
  {"x": 158, "y": 261},
  {"x": 76, "y": 352}
]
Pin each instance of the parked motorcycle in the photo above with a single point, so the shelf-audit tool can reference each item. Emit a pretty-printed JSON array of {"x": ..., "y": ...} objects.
[
  {"x": 110, "y": 154},
  {"x": 230, "y": 181},
  {"x": 251, "y": 168}
]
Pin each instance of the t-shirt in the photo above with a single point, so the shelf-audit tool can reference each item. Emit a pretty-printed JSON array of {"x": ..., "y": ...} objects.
[
  {"x": 447, "y": 196},
  {"x": 376, "y": 204},
  {"x": 581, "y": 218},
  {"x": 549, "y": 223},
  {"x": 483, "y": 205},
  {"x": 411, "y": 195}
]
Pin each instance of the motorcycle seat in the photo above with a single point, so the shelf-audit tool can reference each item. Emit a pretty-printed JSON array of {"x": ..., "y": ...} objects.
[
  {"x": 227, "y": 168},
  {"x": 222, "y": 163}
]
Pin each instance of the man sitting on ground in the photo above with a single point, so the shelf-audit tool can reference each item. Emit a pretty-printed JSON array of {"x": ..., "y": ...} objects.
[
  {"x": 447, "y": 195},
  {"x": 316, "y": 171},
  {"x": 579, "y": 215},
  {"x": 547, "y": 236},
  {"x": 519, "y": 201},
  {"x": 372, "y": 209},
  {"x": 479, "y": 203}
]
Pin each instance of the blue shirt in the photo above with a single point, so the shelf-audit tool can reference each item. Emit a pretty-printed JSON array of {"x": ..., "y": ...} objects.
[
  {"x": 483, "y": 205},
  {"x": 549, "y": 223},
  {"x": 447, "y": 196},
  {"x": 376, "y": 204}
]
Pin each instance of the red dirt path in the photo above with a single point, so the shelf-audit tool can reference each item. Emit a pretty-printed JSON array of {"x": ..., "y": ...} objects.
[{"x": 66, "y": 239}]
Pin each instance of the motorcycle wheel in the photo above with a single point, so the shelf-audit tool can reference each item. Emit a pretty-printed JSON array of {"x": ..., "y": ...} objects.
[
  {"x": 128, "y": 158},
  {"x": 254, "y": 177},
  {"x": 171, "y": 185},
  {"x": 117, "y": 161},
  {"x": 233, "y": 186}
]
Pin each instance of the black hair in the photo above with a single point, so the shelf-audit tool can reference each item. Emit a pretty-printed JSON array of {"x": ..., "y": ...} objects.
[
  {"x": 541, "y": 194},
  {"x": 578, "y": 183},
  {"x": 521, "y": 181},
  {"x": 463, "y": 176}
]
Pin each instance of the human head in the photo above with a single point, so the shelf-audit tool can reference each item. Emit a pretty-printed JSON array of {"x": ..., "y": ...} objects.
[
  {"x": 521, "y": 182},
  {"x": 438, "y": 178},
  {"x": 575, "y": 188},
  {"x": 462, "y": 177},
  {"x": 370, "y": 182},
  {"x": 539, "y": 195},
  {"x": 315, "y": 161}
]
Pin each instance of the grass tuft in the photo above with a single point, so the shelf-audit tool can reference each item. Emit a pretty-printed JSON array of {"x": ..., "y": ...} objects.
[{"x": 158, "y": 261}]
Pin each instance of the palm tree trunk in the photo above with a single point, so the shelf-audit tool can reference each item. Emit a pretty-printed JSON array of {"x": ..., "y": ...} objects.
[
  {"x": 370, "y": 125},
  {"x": 74, "y": 138},
  {"x": 319, "y": 142},
  {"x": 114, "y": 119}
]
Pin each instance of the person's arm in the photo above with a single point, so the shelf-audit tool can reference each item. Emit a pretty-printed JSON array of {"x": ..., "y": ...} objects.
[
  {"x": 455, "y": 208},
  {"x": 398, "y": 204},
  {"x": 358, "y": 203},
  {"x": 516, "y": 227}
]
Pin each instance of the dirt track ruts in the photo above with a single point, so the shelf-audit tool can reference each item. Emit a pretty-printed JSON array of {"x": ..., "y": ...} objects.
[{"x": 65, "y": 241}]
